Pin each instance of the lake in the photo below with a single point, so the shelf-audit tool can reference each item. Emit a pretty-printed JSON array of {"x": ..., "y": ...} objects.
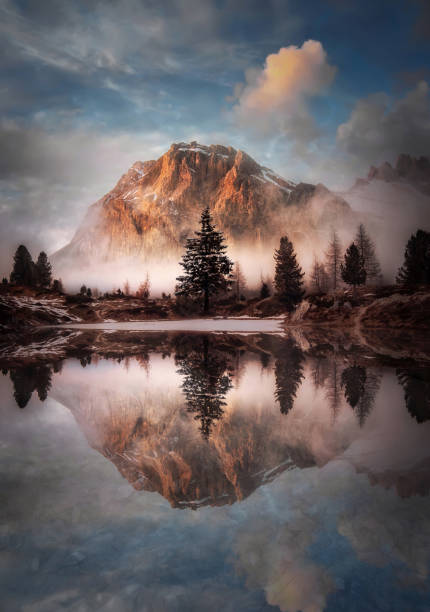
[{"x": 213, "y": 471}]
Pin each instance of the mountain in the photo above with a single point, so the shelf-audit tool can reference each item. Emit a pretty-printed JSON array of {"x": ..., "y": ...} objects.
[
  {"x": 393, "y": 202},
  {"x": 157, "y": 204},
  {"x": 412, "y": 170}
]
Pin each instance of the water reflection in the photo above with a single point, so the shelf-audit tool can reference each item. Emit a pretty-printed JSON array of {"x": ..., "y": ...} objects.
[
  {"x": 205, "y": 381},
  {"x": 308, "y": 468},
  {"x": 416, "y": 384}
]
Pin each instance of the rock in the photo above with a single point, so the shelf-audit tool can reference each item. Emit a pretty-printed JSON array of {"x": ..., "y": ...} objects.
[{"x": 157, "y": 204}]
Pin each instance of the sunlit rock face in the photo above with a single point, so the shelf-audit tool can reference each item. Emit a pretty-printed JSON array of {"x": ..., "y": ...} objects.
[{"x": 157, "y": 204}]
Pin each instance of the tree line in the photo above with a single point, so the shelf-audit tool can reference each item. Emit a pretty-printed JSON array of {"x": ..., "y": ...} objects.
[
  {"x": 208, "y": 272},
  {"x": 28, "y": 273}
]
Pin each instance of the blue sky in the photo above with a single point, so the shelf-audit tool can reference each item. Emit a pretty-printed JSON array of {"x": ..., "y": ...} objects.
[{"x": 90, "y": 87}]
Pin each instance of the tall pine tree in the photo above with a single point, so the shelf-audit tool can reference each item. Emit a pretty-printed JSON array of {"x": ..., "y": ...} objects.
[
  {"x": 23, "y": 272},
  {"x": 288, "y": 275},
  {"x": 366, "y": 248},
  {"x": 352, "y": 270},
  {"x": 44, "y": 270},
  {"x": 207, "y": 269},
  {"x": 416, "y": 267}
]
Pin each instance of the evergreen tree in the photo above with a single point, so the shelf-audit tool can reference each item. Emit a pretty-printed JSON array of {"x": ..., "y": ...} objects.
[
  {"x": 264, "y": 290},
  {"x": 352, "y": 270},
  {"x": 238, "y": 281},
  {"x": 288, "y": 275},
  {"x": 207, "y": 268},
  {"x": 333, "y": 261},
  {"x": 44, "y": 270},
  {"x": 366, "y": 248},
  {"x": 416, "y": 267},
  {"x": 83, "y": 290},
  {"x": 57, "y": 285},
  {"x": 89, "y": 292},
  {"x": 23, "y": 272},
  {"x": 319, "y": 277}
]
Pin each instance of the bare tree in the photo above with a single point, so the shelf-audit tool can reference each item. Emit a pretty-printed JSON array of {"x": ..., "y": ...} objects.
[
  {"x": 239, "y": 281},
  {"x": 126, "y": 288},
  {"x": 144, "y": 289},
  {"x": 333, "y": 260},
  {"x": 319, "y": 277}
]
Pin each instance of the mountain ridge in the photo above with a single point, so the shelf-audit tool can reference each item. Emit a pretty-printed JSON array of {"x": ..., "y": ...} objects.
[{"x": 156, "y": 204}]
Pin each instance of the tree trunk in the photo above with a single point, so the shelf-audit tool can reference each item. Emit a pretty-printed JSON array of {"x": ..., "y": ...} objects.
[{"x": 206, "y": 303}]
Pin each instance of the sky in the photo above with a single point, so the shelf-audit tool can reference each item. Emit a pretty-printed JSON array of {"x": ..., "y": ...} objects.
[{"x": 316, "y": 90}]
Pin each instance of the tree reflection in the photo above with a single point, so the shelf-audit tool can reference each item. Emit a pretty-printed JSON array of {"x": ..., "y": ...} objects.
[
  {"x": 334, "y": 387},
  {"x": 29, "y": 378},
  {"x": 353, "y": 380},
  {"x": 288, "y": 373},
  {"x": 206, "y": 382},
  {"x": 416, "y": 385},
  {"x": 360, "y": 388}
]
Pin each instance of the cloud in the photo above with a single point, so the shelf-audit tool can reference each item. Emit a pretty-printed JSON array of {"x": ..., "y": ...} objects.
[
  {"x": 380, "y": 128},
  {"x": 48, "y": 178},
  {"x": 276, "y": 97}
]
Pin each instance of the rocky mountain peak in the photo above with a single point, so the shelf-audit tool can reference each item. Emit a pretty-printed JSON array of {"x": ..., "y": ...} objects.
[
  {"x": 156, "y": 204},
  {"x": 413, "y": 170}
]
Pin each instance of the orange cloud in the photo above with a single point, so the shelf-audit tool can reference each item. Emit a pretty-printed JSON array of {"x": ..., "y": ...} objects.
[{"x": 287, "y": 77}]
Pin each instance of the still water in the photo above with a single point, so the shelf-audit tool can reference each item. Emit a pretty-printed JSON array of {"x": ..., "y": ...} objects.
[{"x": 190, "y": 472}]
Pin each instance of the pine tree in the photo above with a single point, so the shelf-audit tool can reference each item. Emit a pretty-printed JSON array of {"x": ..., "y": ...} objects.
[
  {"x": 57, "y": 285},
  {"x": 44, "y": 270},
  {"x": 238, "y": 280},
  {"x": 366, "y": 248},
  {"x": 264, "y": 290},
  {"x": 83, "y": 290},
  {"x": 352, "y": 270},
  {"x": 416, "y": 267},
  {"x": 207, "y": 267},
  {"x": 23, "y": 272},
  {"x": 288, "y": 275},
  {"x": 333, "y": 260},
  {"x": 319, "y": 277}
]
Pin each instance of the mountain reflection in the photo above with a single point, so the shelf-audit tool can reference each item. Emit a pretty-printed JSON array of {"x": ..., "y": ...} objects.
[{"x": 206, "y": 419}]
